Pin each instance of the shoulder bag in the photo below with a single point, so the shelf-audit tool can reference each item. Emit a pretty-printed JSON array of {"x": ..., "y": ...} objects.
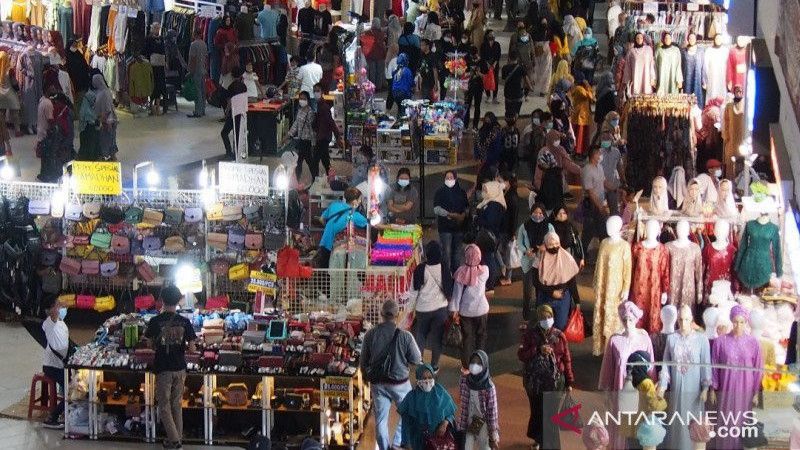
[{"x": 379, "y": 370}]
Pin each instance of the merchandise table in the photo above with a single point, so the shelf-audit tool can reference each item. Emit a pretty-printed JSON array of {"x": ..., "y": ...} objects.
[{"x": 264, "y": 120}]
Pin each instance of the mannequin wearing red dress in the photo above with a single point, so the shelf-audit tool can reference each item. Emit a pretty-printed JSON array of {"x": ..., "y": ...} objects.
[
  {"x": 736, "y": 74},
  {"x": 650, "y": 283},
  {"x": 718, "y": 257}
]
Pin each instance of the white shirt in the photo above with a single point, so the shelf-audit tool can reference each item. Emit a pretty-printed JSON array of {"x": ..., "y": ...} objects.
[
  {"x": 613, "y": 18},
  {"x": 57, "y": 335},
  {"x": 430, "y": 296},
  {"x": 310, "y": 74}
]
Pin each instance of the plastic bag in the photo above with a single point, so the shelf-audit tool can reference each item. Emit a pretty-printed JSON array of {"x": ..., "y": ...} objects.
[
  {"x": 574, "y": 331},
  {"x": 514, "y": 255},
  {"x": 189, "y": 90}
]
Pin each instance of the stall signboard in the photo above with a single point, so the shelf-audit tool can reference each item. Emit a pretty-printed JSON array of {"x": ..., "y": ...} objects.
[
  {"x": 243, "y": 179},
  {"x": 336, "y": 387},
  {"x": 97, "y": 178},
  {"x": 262, "y": 282}
]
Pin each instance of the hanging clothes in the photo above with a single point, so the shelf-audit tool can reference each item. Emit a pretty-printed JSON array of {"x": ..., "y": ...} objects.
[
  {"x": 93, "y": 41},
  {"x": 686, "y": 273},
  {"x": 140, "y": 80},
  {"x": 30, "y": 67},
  {"x": 734, "y": 132},
  {"x": 651, "y": 279},
  {"x": 736, "y": 71},
  {"x": 668, "y": 70},
  {"x": 82, "y": 17},
  {"x": 715, "y": 68},
  {"x": 719, "y": 266},
  {"x": 640, "y": 70},
  {"x": 692, "y": 64},
  {"x": 65, "y": 22}
]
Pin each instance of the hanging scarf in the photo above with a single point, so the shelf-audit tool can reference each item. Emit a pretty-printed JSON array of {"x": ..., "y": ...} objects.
[
  {"x": 558, "y": 269},
  {"x": 427, "y": 408},
  {"x": 492, "y": 192},
  {"x": 677, "y": 185},
  {"x": 483, "y": 380},
  {"x": 472, "y": 269}
]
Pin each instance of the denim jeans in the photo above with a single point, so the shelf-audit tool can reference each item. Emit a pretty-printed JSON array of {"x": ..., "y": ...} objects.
[
  {"x": 200, "y": 99},
  {"x": 383, "y": 395},
  {"x": 451, "y": 248},
  {"x": 429, "y": 327},
  {"x": 56, "y": 374}
]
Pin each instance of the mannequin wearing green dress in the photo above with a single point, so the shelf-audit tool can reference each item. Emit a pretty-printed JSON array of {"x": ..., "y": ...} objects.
[
  {"x": 668, "y": 67},
  {"x": 759, "y": 254}
]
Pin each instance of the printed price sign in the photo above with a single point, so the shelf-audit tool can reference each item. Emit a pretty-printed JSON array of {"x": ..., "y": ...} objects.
[
  {"x": 243, "y": 179},
  {"x": 262, "y": 282},
  {"x": 336, "y": 387},
  {"x": 97, "y": 178}
]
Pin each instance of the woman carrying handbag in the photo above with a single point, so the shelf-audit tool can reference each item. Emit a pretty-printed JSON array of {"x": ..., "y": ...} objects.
[
  {"x": 478, "y": 398},
  {"x": 427, "y": 414}
]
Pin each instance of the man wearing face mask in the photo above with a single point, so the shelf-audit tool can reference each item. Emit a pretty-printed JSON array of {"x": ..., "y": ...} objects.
[
  {"x": 403, "y": 201},
  {"x": 56, "y": 352},
  {"x": 709, "y": 181},
  {"x": 612, "y": 168},
  {"x": 490, "y": 53}
]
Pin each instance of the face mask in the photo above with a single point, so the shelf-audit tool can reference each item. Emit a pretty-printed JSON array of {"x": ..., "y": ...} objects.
[
  {"x": 403, "y": 183},
  {"x": 449, "y": 183},
  {"x": 426, "y": 385},
  {"x": 718, "y": 173},
  {"x": 317, "y": 95},
  {"x": 536, "y": 121},
  {"x": 556, "y": 143},
  {"x": 546, "y": 324},
  {"x": 605, "y": 144},
  {"x": 62, "y": 313},
  {"x": 475, "y": 369},
  {"x": 553, "y": 250},
  {"x": 537, "y": 219},
  {"x": 303, "y": 103},
  {"x": 548, "y": 126}
]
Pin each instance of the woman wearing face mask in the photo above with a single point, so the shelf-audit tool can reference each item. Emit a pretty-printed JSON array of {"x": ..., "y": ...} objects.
[
  {"x": 450, "y": 207},
  {"x": 542, "y": 347},
  {"x": 490, "y": 54},
  {"x": 491, "y": 220},
  {"x": 302, "y": 133},
  {"x": 476, "y": 24},
  {"x": 433, "y": 284},
  {"x": 530, "y": 241},
  {"x": 542, "y": 63},
  {"x": 557, "y": 271},
  {"x": 403, "y": 201},
  {"x": 551, "y": 162},
  {"x": 611, "y": 125},
  {"x": 469, "y": 306},
  {"x": 57, "y": 334},
  {"x": 402, "y": 84},
  {"x": 489, "y": 145},
  {"x": 427, "y": 408},
  {"x": 478, "y": 398},
  {"x": 614, "y": 170}
]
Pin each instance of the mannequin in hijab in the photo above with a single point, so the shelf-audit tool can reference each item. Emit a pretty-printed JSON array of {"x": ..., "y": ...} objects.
[
  {"x": 726, "y": 204},
  {"x": 693, "y": 204},
  {"x": 659, "y": 197}
]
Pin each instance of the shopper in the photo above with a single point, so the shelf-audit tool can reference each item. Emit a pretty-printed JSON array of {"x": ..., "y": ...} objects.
[
  {"x": 595, "y": 208},
  {"x": 530, "y": 241},
  {"x": 156, "y": 53},
  {"x": 433, "y": 285},
  {"x": 450, "y": 207},
  {"x": 516, "y": 84},
  {"x": 427, "y": 409},
  {"x": 489, "y": 145},
  {"x": 55, "y": 354},
  {"x": 533, "y": 137},
  {"x": 107, "y": 116},
  {"x": 363, "y": 160},
  {"x": 373, "y": 45},
  {"x": 476, "y": 24},
  {"x": 490, "y": 54},
  {"x": 78, "y": 70},
  {"x": 55, "y": 133},
  {"x": 403, "y": 201},
  {"x": 408, "y": 44},
  {"x": 582, "y": 96},
  {"x": 543, "y": 349},
  {"x": 225, "y": 34},
  {"x": 508, "y": 234},
  {"x": 557, "y": 271},
  {"x": 391, "y": 66},
  {"x": 428, "y": 73},
  {"x": 568, "y": 234},
  {"x": 474, "y": 95},
  {"x": 612, "y": 164},
  {"x": 236, "y": 87},
  {"x": 198, "y": 59},
  {"x": 336, "y": 218},
  {"x": 469, "y": 306},
  {"x": 606, "y": 94},
  {"x": 170, "y": 334},
  {"x": 432, "y": 30},
  {"x": 310, "y": 74},
  {"x": 326, "y": 129},
  {"x": 551, "y": 163},
  {"x": 402, "y": 83},
  {"x": 388, "y": 384},
  {"x": 478, "y": 398},
  {"x": 510, "y": 154},
  {"x": 522, "y": 45},
  {"x": 302, "y": 133},
  {"x": 88, "y": 128}
]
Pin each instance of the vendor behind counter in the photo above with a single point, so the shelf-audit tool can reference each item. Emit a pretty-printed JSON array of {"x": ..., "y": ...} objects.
[{"x": 337, "y": 217}]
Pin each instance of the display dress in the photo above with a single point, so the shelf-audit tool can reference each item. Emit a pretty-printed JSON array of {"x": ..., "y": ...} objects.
[
  {"x": 613, "y": 371},
  {"x": 30, "y": 68},
  {"x": 640, "y": 70},
  {"x": 685, "y": 382},
  {"x": 715, "y": 67},
  {"x": 668, "y": 69},
  {"x": 650, "y": 280},
  {"x": 692, "y": 64},
  {"x": 735, "y": 388},
  {"x": 612, "y": 278},
  {"x": 759, "y": 254},
  {"x": 719, "y": 264},
  {"x": 733, "y": 134},
  {"x": 736, "y": 72},
  {"x": 686, "y": 273}
]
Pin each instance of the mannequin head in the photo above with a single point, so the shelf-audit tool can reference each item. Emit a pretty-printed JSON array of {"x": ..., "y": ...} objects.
[
  {"x": 658, "y": 196},
  {"x": 691, "y": 39},
  {"x": 721, "y": 230},
  {"x": 693, "y": 191},
  {"x": 739, "y": 318},
  {"x": 757, "y": 322},
  {"x": 682, "y": 230},
  {"x": 666, "y": 39},
  {"x": 717, "y": 40},
  {"x": 710, "y": 319},
  {"x": 669, "y": 315},
  {"x": 614, "y": 227},
  {"x": 742, "y": 41},
  {"x": 725, "y": 191},
  {"x": 685, "y": 319},
  {"x": 630, "y": 314},
  {"x": 653, "y": 230}
]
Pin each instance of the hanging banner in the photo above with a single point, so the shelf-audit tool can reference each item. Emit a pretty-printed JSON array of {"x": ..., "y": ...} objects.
[
  {"x": 243, "y": 179},
  {"x": 97, "y": 178},
  {"x": 262, "y": 282}
]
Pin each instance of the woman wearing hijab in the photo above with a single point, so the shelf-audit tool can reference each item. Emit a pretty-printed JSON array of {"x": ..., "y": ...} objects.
[
  {"x": 610, "y": 126},
  {"x": 393, "y": 30},
  {"x": 104, "y": 110},
  {"x": 428, "y": 408},
  {"x": 408, "y": 43},
  {"x": 450, "y": 207},
  {"x": 557, "y": 271},
  {"x": 489, "y": 146},
  {"x": 551, "y": 162},
  {"x": 530, "y": 239},
  {"x": 568, "y": 234},
  {"x": 54, "y": 146},
  {"x": 573, "y": 32},
  {"x": 542, "y": 58},
  {"x": 543, "y": 345},
  {"x": 469, "y": 306},
  {"x": 476, "y": 24},
  {"x": 88, "y": 128},
  {"x": 402, "y": 85},
  {"x": 433, "y": 285},
  {"x": 582, "y": 96},
  {"x": 78, "y": 71},
  {"x": 478, "y": 399},
  {"x": 562, "y": 73},
  {"x": 606, "y": 95},
  {"x": 491, "y": 221}
]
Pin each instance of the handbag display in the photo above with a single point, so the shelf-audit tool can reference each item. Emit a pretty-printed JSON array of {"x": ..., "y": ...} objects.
[
  {"x": 214, "y": 212},
  {"x": 101, "y": 238},
  {"x": 152, "y": 217},
  {"x": 73, "y": 211},
  {"x": 236, "y": 239},
  {"x": 70, "y": 266},
  {"x": 220, "y": 301},
  {"x": 105, "y": 303},
  {"x": 219, "y": 266},
  {"x": 68, "y": 300},
  {"x": 251, "y": 212},
  {"x": 174, "y": 244},
  {"x": 574, "y": 331},
  {"x": 90, "y": 267},
  {"x": 39, "y": 207},
  {"x": 239, "y": 272},
  {"x": 143, "y": 302},
  {"x": 231, "y": 213},
  {"x": 173, "y": 216},
  {"x": 91, "y": 210},
  {"x": 133, "y": 215},
  {"x": 83, "y": 301},
  {"x": 193, "y": 215},
  {"x": 51, "y": 282},
  {"x": 145, "y": 272},
  {"x": 151, "y": 243},
  {"x": 217, "y": 241},
  {"x": 254, "y": 241},
  {"x": 109, "y": 269},
  {"x": 111, "y": 215},
  {"x": 120, "y": 245}
]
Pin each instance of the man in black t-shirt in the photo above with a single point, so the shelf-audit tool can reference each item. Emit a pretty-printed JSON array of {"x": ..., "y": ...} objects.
[
  {"x": 427, "y": 73},
  {"x": 236, "y": 87},
  {"x": 170, "y": 334},
  {"x": 515, "y": 76}
]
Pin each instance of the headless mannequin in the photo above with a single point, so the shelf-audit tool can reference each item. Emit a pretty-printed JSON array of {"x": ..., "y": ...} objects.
[
  {"x": 721, "y": 231},
  {"x": 682, "y": 232},
  {"x": 651, "y": 241},
  {"x": 763, "y": 219}
]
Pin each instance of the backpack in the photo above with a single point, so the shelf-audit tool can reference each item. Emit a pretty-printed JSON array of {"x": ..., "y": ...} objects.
[
  {"x": 379, "y": 370},
  {"x": 542, "y": 375},
  {"x": 172, "y": 333}
]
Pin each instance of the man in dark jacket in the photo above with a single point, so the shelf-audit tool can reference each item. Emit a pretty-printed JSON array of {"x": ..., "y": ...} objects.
[{"x": 325, "y": 128}]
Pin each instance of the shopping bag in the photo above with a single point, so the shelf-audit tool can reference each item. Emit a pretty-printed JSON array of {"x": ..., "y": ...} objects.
[
  {"x": 489, "y": 83},
  {"x": 574, "y": 330},
  {"x": 452, "y": 336},
  {"x": 189, "y": 89},
  {"x": 569, "y": 420},
  {"x": 514, "y": 255}
]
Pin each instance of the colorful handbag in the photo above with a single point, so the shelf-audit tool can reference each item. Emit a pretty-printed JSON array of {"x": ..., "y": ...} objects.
[
  {"x": 173, "y": 216},
  {"x": 253, "y": 241},
  {"x": 101, "y": 238},
  {"x": 251, "y": 212},
  {"x": 142, "y": 302},
  {"x": 70, "y": 266},
  {"x": 90, "y": 267},
  {"x": 39, "y": 207},
  {"x": 83, "y": 301},
  {"x": 152, "y": 217},
  {"x": 193, "y": 215},
  {"x": 91, "y": 210},
  {"x": 236, "y": 239},
  {"x": 111, "y": 214},
  {"x": 120, "y": 245},
  {"x": 133, "y": 215},
  {"x": 104, "y": 304},
  {"x": 220, "y": 301},
  {"x": 73, "y": 211},
  {"x": 151, "y": 243},
  {"x": 68, "y": 300},
  {"x": 217, "y": 241},
  {"x": 239, "y": 272},
  {"x": 145, "y": 272},
  {"x": 231, "y": 213},
  {"x": 109, "y": 268},
  {"x": 174, "y": 244},
  {"x": 214, "y": 212}
]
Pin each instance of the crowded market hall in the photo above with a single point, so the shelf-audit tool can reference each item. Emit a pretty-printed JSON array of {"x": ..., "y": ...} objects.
[{"x": 399, "y": 224}]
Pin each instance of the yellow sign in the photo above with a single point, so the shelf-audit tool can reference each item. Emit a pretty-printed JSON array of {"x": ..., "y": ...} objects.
[
  {"x": 97, "y": 178},
  {"x": 336, "y": 387},
  {"x": 262, "y": 282}
]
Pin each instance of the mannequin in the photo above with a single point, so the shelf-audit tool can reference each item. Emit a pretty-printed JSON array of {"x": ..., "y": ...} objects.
[
  {"x": 759, "y": 256},
  {"x": 612, "y": 281},
  {"x": 669, "y": 315},
  {"x": 692, "y": 64},
  {"x": 734, "y": 391},
  {"x": 686, "y": 268},
  {"x": 733, "y": 130},
  {"x": 668, "y": 67},
  {"x": 268, "y": 22},
  {"x": 640, "y": 72},
  {"x": 757, "y": 323},
  {"x": 688, "y": 384},
  {"x": 736, "y": 70},
  {"x": 726, "y": 204},
  {"x": 650, "y": 283},
  {"x": 659, "y": 197},
  {"x": 693, "y": 203},
  {"x": 613, "y": 369},
  {"x": 718, "y": 257},
  {"x": 715, "y": 65}
]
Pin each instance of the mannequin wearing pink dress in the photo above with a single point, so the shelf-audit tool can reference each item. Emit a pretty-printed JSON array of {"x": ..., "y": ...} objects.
[{"x": 640, "y": 69}]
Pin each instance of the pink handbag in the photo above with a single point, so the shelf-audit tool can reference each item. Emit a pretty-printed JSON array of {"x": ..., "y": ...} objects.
[
  {"x": 70, "y": 266},
  {"x": 83, "y": 301},
  {"x": 90, "y": 267},
  {"x": 142, "y": 302}
]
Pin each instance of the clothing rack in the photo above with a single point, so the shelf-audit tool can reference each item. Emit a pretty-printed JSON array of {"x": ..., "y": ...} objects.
[
  {"x": 663, "y": 5},
  {"x": 676, "y": 105}
]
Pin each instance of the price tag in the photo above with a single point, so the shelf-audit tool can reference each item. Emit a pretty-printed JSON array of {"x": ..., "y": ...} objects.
[{"x": 97, "y": 178}]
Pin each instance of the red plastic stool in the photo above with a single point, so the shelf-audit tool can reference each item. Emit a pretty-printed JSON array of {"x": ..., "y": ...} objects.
[{"x": 48, "y": 398}]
